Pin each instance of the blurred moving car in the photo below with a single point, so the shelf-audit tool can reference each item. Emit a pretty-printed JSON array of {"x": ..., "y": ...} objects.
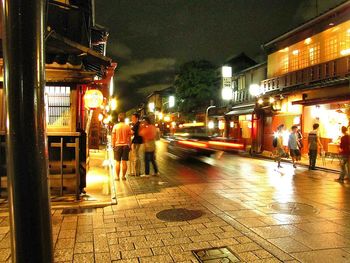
[{"x": 192, "y": 140}]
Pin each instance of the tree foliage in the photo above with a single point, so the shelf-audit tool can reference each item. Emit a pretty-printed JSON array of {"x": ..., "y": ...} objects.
[{"x": 197, "y": 84}]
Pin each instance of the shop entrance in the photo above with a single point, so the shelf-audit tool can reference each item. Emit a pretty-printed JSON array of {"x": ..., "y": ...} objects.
[{"x": 331, "y": 117}]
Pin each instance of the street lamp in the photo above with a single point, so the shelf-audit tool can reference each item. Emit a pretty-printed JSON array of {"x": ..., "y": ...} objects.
[
  {"x": 255, "y": 90},
  {"x": 206, "y": 117}
]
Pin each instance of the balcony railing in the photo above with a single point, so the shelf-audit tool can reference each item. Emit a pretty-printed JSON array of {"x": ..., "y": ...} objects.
[
  {"x": 321, "y": 72},
  {"x": 242, "y": 96}
]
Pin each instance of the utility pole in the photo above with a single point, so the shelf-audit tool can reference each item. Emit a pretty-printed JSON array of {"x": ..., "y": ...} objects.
[{"x": 23, "y": 51}]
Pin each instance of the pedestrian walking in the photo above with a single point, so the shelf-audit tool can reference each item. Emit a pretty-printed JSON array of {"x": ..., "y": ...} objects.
[
  {"x": 344, "y": 151},
  {"x": 293, "y": 145},
  {"x": 121, "y": 139},
  {"x": 300, "y": 140},
  {"x": 136, "y": 145},
  {"x": 314, "y": 143},
  {"x": 149, "y": 134},
  {"x": 278, "y": 144}
]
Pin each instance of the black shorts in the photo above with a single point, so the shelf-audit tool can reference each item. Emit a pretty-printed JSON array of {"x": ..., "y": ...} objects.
[
  {"x": 295, "y": 153},
  {"x": 121, "y": 153}
]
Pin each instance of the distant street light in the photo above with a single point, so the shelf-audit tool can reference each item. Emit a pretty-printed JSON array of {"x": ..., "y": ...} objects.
[
  {"x": 151, "y": 106},
  {"x": 113, "y": 104},
  {"x": 206, "y": 117},
  {"x": 171, "y": 101}
]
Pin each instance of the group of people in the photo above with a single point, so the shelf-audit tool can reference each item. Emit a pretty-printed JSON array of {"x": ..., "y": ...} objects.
[
  {"x": 127, "y": 141},
  {"x": 295, "y": 145}
]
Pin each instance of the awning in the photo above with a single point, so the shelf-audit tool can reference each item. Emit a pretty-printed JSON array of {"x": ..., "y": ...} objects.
[
  {"x": 242, "y": 110},
  {"x": 57, "y": 44},
  {"x": 316, "y": 101}
]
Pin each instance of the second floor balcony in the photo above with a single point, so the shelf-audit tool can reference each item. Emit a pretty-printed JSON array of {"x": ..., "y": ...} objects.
[{"x": 316, "y": 75}]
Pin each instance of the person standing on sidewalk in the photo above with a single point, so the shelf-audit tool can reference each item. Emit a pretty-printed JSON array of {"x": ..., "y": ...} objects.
[
  {"x": 278, "y": 144},
  {"x": 294, "y": 146},
  {"x": 344, "y": 148},
  {"x": 136, "y": 144},
  {"x": 314, "y": 143},
  {"x": 121, "y": 137},
  {"x": 149, "y": 134}
]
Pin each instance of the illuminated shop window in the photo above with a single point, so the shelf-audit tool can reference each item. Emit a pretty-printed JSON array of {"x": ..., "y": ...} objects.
[{"x": 58, "y": 106}]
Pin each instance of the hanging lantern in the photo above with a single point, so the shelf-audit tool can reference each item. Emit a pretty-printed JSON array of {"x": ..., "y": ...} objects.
[{"x": 93, "y": 98}]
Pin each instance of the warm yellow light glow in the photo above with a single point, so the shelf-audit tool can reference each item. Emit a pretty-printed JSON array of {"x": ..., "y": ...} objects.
[
  {"x": 160, "y": 115},
  {"x": 307, "y": 41},
  {"x": 295, "y": 52},
  {"x": 211, "y": 125},
  {"x": 107, "y": 108},
  {"x": 260, "y": 101},
  {"x": 93, "y": 98},
  {"x": 345, "y": 52},
  {"x": 100, "y": 117},
  {"x": 167, "y": 118},
  {"x": 113, "y": 104},
  {"x": 193, "y": 124},
  {"x": 232, "y": 124},
  {"x": 221, "y": 125},
  {"x": 284, "y": 50},
  {"x": 127, "y": 121},
  {"x": 151, "y": 106},
  {"x": 272, "y": 100},
  {"x": 173, "y": 124},
  {"x": 255, "y": 90}
]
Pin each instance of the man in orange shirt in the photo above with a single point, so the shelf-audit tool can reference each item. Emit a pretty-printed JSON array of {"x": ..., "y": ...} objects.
[{"x": 121, "y": 138}]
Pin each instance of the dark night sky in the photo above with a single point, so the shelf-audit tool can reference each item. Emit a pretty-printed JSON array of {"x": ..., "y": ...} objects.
[{"x": 150, "y": 38}]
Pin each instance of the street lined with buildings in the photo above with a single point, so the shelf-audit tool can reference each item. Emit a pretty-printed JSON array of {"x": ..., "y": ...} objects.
[{"x": 258, "y": 212}]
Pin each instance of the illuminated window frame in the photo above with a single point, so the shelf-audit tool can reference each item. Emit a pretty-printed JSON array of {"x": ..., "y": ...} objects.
[{"x": 58, "y": 106}]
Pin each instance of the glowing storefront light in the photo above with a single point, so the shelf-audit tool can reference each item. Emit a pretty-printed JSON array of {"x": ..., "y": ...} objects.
[
  {"x": 127, "y": 121},
  {"x": 211, "y": 125}
]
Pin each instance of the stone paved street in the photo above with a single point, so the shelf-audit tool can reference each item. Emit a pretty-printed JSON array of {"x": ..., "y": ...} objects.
[{"x": 259, "y": 213}]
